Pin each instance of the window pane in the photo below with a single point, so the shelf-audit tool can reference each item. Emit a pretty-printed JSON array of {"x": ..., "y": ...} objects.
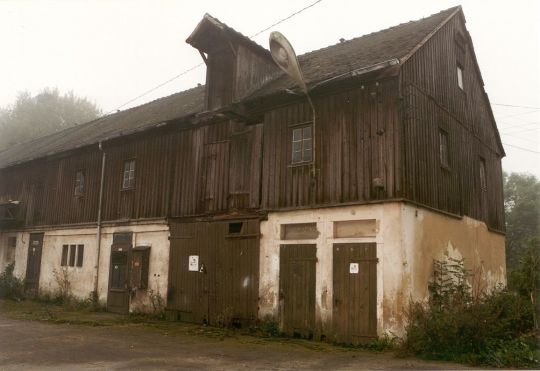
[
  {"x": 297, "y": 146},
  {"x": 307, "y": 132},
  {"x": 307, "y": 143},
  {"x": 71, "y": 255},
  {"x": 307, "y": 155},
  {"x": 80, "y": 255},
  {"x": 297, "y": 157},
  {"x": 63, "y": 262},
  {"x": 460, "y": 77},
  {"x": 297, "y": 134}
]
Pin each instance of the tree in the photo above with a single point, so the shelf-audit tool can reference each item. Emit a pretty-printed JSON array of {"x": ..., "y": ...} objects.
[
  {"x": 522, "y": 211},
  {"x": 47, "y": 112}
]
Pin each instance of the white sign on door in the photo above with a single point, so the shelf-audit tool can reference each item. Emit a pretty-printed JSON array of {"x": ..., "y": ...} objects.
[
  {"x": 353, "y": 268},
  {"x": 193, "y": 263}
]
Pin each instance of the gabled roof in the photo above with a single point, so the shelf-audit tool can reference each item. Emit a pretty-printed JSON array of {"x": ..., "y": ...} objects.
[
  {"x": 319, "y": 65},
  {"x": 206, "y": 34},
  {"x": 394, "y": 43}
]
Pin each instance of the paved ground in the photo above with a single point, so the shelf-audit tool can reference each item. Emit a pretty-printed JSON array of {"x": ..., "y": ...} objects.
[{"x": 33, "y": 345}]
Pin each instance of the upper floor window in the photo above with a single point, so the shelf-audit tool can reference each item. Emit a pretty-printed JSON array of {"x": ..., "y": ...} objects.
[
  {"x": 128, "y": 180},
  {"x": 79, "y": 183},
  {"x": 443, "y": 148},
  {"x": 460, "y": 76},
  {"x": 483, "y": 176},
  {"x": 302, "y": 144}
]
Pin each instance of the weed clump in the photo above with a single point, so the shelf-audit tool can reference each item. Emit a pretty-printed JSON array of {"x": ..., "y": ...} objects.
[
  {"x": 496, "y": 328},
  {"x": 11, "y": 286}
]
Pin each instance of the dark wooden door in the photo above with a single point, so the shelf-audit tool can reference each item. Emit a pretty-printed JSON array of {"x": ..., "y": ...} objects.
[
  {"x": 119, "y": 290},
  {"x": 297, "y": 289},
  {"x": 33, "y": 265},
  {"x": 355, "y": 292},
  {"x": 213, "y": 272},
  {"x": 188, "y": 272}
]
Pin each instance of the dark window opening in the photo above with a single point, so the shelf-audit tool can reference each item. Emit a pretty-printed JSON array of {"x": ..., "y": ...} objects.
[
  {"x": 65, "y": 248},
  {"x": 235, "y": 227},
  {"x": 302, "y": 145},
  {"x": 483, "y": 176},
  {"x": 443, "y": 148},
  {"x": 72, "y": 255},
  {"x": 79, "y": 183},
  {"x": 128, "y": 181},
  {"x": 80, "y": 255}
]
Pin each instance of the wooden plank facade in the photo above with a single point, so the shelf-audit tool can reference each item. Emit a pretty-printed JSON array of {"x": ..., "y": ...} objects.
[{"x": 399, "y": 117}]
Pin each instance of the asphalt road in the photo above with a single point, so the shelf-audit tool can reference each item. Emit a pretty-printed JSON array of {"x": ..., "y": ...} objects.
[{"x": 32, "y": 345}]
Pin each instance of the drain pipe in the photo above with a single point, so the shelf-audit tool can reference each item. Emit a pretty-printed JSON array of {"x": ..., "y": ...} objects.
[{"x": 98, "y": 233}]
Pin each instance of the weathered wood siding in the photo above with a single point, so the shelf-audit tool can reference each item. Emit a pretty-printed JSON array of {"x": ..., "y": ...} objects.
[
  {"x": 252, "y": 70},
  {"x": 357, "y": 135},
  {"x": 434, "y": 101},
  {"x": 205, "y": 169}
]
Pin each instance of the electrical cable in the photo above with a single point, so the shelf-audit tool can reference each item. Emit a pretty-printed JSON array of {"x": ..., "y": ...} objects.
[{"x": 200, "y": 64}]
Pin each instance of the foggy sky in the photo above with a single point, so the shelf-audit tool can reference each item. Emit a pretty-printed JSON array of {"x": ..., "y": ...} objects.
[{"x": 112, "y": 51}]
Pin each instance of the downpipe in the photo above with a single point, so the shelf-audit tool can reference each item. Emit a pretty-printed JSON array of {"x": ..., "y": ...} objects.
[{"x": 98, "y": 232}]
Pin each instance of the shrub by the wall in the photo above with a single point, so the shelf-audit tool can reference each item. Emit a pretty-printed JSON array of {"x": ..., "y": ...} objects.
[
  {"x": 11, "y": 286},
  {"x": 496, "y": 328}
]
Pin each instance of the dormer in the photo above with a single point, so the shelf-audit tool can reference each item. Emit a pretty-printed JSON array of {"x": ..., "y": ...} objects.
[{"x": 235, "y": 65}]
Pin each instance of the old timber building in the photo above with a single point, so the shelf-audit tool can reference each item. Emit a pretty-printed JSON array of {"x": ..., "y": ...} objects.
[{"x": 215, "y": 200}]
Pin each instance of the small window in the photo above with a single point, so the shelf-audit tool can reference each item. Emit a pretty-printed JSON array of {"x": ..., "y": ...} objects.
[
  {"x": 302, "y": 145},
  {"x": 79, "y": 183},
  {"x": 235, "y": 227},
  {"x": 443, "y": 148},
  {"x": 483, "y": 176},
  {"x": 80, "y": 255},
  {"x": 460, "y": 77},
  {"x": 72, "y": 255},
  {"x": 129, "y": 175}
]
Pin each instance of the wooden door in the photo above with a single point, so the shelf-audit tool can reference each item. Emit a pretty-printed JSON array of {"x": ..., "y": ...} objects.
[
  {"x": 119, "y": 290},
  {"x": 213, "y": 272},
  {"x": 297, "y": 266},
  {"x": 188, "y": 272},
  {"x": 355, "y": 292},
  {"x": 33, "y": 265}
]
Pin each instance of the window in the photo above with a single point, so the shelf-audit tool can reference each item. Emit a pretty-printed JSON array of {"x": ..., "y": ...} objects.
[
  {"x": 72, "y": 254},
  {"x": 79, "y": 183},
  {"x": 129, "y": 175},
  {"x": 460, "y": 77},
  {"x": 443, "y": 148},
  {"x": 302, "y": 144},
  {"x": 483, "y": 177},
  {"x": 235, "y": 227}
]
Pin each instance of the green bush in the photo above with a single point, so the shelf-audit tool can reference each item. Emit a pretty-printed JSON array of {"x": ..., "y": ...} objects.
[
  {"x": 11, "y": 287},
  {"x": 495, "y": 329}
]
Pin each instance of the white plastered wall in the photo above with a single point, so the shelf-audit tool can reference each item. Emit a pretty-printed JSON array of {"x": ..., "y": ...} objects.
[
  {"x": 408, "y": 239},
  {"x": 387, "y": 240},
  {"x": 155, "y": 235}
]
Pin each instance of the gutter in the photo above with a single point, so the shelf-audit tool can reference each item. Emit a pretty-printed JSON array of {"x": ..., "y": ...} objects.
[{"x": 98, "y": 233}]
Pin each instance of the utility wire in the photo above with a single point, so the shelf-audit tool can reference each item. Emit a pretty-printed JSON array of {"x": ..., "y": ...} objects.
[
  {"x": 513, "y": 105},
  {"x": 523, "y": 149},
  {"x": 200, "y": 64}
]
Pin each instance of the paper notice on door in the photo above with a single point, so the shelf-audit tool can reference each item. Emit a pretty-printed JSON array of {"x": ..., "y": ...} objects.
[
  {"x": 353, "y": 268},
  {"x": 193, "y": 263}
]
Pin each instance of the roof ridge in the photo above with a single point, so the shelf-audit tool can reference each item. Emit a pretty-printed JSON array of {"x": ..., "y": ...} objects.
[
  {"x": 98, "y": 119},
  {"x": 305, "y": 55}
]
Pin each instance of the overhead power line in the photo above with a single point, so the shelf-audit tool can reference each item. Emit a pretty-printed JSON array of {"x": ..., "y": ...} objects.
[
  {"x": 514, "y": 106},
  {"x": 521, "y": 148},
  {"x": 200, "y": 64}
]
